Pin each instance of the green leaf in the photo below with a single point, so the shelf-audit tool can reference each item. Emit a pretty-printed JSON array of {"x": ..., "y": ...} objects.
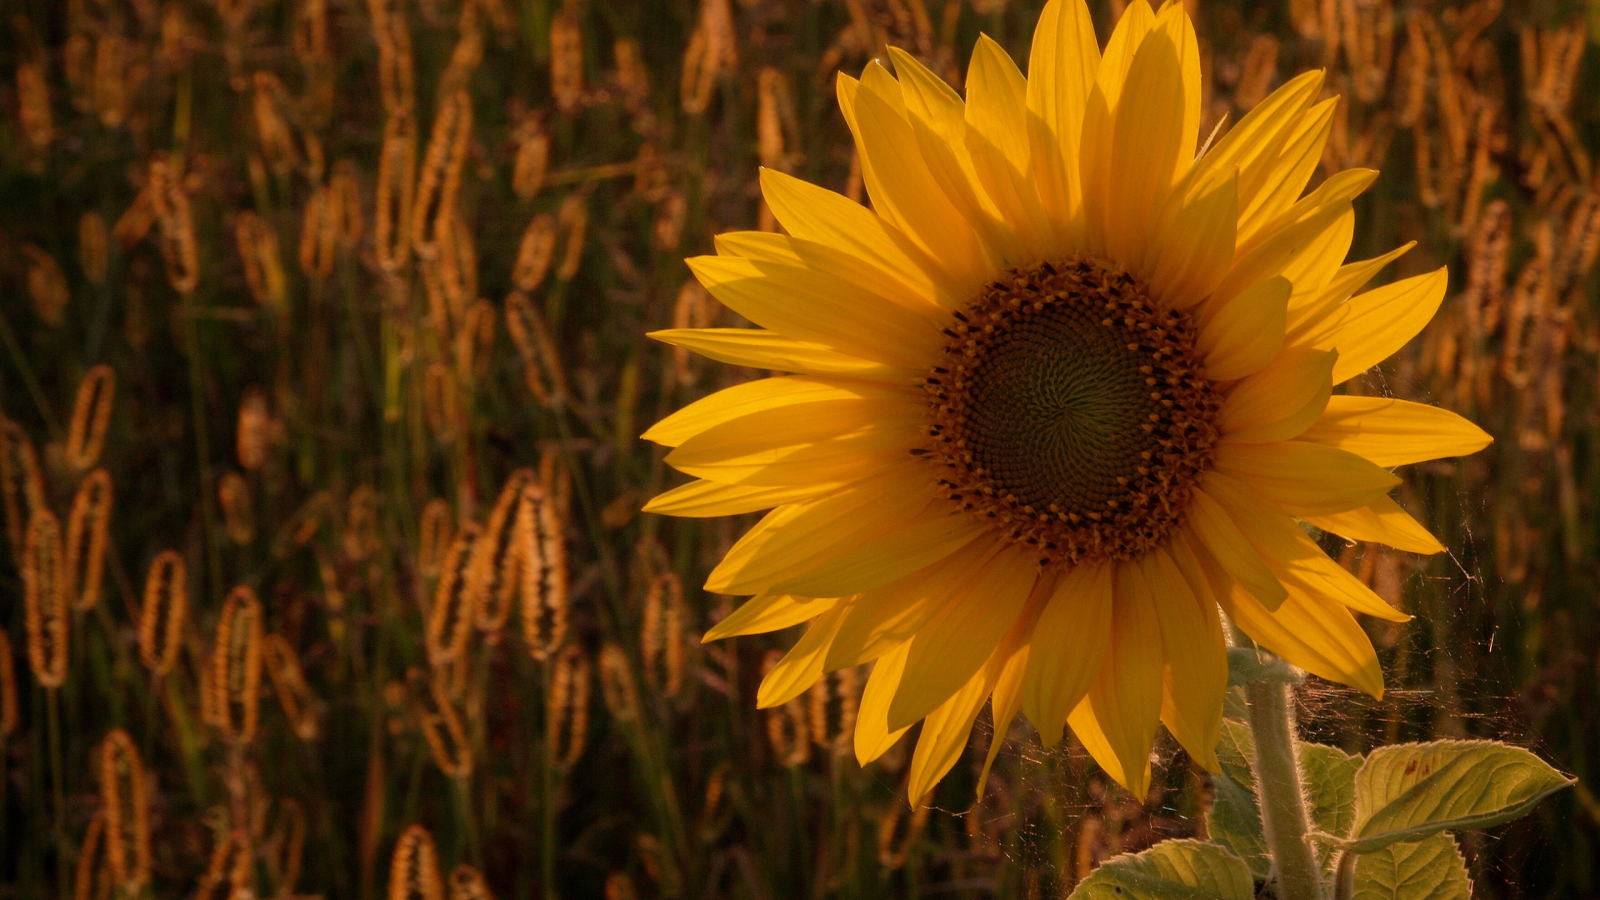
[
  {"x": 1330, "y": 776},
  {"x": 1429, "y": 869},
  {"x": 1406, "y": 792},
  {"x": 1247, "y": 665},
  {"x": 1171, "y": 870},
  {"x": 1235, "y": 820}
]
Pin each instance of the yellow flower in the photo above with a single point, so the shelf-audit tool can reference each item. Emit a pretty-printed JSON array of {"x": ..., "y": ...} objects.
[{"x": 1059, "y": 398}]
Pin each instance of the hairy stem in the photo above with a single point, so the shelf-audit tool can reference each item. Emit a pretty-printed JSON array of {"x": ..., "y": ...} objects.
[{"x": 1282, "y": 797}]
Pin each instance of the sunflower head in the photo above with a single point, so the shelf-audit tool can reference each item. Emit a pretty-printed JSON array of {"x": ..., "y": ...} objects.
[{"x": 1061, "y": 401}]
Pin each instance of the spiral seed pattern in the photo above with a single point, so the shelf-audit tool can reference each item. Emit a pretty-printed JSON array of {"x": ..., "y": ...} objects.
[{"x": 1071, "y": 412}]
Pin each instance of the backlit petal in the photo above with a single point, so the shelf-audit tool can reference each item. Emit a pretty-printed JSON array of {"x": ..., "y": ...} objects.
[
  {"x": 1383, "y": 521},
  {"x": 1069, "y": 645},
  {"x": 1393, "y": 432},
  {"x": 1383, "y": 320}
]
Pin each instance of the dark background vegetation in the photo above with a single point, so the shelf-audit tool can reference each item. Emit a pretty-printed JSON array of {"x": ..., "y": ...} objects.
[{"x": 1481, "y": 118}]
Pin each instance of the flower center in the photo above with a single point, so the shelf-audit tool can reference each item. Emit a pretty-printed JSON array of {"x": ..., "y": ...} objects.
[{"x": 1071, "y": 411}]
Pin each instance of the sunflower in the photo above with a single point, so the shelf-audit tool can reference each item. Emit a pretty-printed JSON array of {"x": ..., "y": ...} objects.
[{"x": 1061, "y": 400}]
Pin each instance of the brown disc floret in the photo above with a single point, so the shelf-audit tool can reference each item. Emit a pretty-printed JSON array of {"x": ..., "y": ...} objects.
[{"x": 1071, "y": 412}]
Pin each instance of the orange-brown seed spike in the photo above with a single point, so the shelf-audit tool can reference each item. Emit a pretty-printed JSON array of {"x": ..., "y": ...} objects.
[
  {"x": 567, "y": 706},
  {"x": 436, "y": 531},
  {"x": 238, "y": 513},
  {"x": 617, "y": 684},
  {"x": 289, "y": 683},
  {"x": 123, "y": 794},
  {"x": 91, "y": 857},
  {"x": 93, "y": 247},
  {"x": 533, "y": 158},
  {"x": 541, "y": 367},
  {"x": 544, "y": 577},
  {"x": 500, "y": 556},
  {"x": 91, "y": 413},
  {"x": 164, "y": 612},
  {"x": 440, "y": 178},
  {"x": 397, "y": 164},
  {"x": 441, "y": 726},
  {"x": 21, "y": 483},
  {"x": 252, "y": 433},
  {"x": 566, "y": 61},
  {"x": 414, "y": 869},
  {"x": 572, "y": 221},
  {"x": 535, "y": 252},
  {"x": 47, "y": 285},
  {"x": 236, "y": 666},
  {"x": 451, "y": 617},
  {"x": 87, "y": 528},
  {"x": 45, "y": 598}
]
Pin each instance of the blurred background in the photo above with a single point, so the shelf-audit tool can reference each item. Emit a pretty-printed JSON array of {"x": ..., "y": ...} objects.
[{"x": 322, "y": 362}]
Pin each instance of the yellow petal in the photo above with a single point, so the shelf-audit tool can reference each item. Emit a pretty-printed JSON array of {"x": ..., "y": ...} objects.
[
  {"x": 864, "y": 277},
  {"x": 1292, "y": 555},
  {"x": 1395, "y": 432},
  {"x": 902, "y": 188},
  {"x": 1312, "y": 632},
  {"x": 1126, "y": 38},
  {"x": 809, "y": 305},
  {"x": 765, "y": 393},
  {"x": 802, "y": 665},
  {"x": 791, "y": 539},
  {"x": 1125, "y": 699},
  {"x": 1296, "y": 162},
  {"x": 1061, "y": 71},
  {"x": 1383, "y": 521},
  {"x": 1215, "y": 529},
  {"x": 1195, "y": 677},
  {"x": 837, "y": 441},
  {"x": 873, "y": 737},
  {"x": 818, "y": 214},
  {"x": 938, "y": 117},
  {"x": 1280, "y": 401},
  {"x": 1283, "y": 250},
  {"x": 1353, "y": 276},
  {"x": 886, "y": 617},
  {"x": 1068, "y": 647},
  {"x": 946, "y": 730},
  {"x": 1095, "y": 161},
  {"x": 1253, "y": 147},
  {"x": 769, "y": 612},
  {"x": 761, "y": 349},
  {"x": 1005, "y": 703},
  {"x": 1305, "y": 479},
  {"x": 1315, "y": 320},
  {"x": 957, "y": 640},
  {"x": 877, "y": 560},
  {"x": 1196, "y": 247},
  {"x": 1241, "y": 336},
  {"x": 1383, "y": 320},
  {"x": 1311, "y": 270},
  {"x": 701, "y": 498},
  {"x": 1148, "y": 126},
  {"x": 997, "y": 139}
]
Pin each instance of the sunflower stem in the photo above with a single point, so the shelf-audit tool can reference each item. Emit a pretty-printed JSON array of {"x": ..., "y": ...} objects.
[{"x": 1282, "y": 796}]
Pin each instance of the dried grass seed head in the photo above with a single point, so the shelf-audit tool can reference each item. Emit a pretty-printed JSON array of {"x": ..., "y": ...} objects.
[
  {"x": 164, "y": 612},
  {"x": 88, "y": 527},
  {"x": 45, "y": 599},
  {"x": 91, "y": 414}
]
